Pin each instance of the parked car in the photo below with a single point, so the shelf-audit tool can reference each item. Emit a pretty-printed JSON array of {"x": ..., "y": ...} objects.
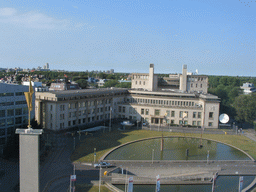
[{"x": 102, "y": 164}]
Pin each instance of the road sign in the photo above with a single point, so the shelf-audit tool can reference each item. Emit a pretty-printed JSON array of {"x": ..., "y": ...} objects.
[{"x": 73, "y": 177}]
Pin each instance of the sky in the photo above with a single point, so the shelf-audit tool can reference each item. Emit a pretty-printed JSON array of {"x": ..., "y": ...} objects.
[{"x": 215, "y": 37}]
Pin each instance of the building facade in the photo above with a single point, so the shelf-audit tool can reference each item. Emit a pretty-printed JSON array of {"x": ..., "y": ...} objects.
[
  {"x": 13, "y": 110},
  {"x": 181, "y": 101},
  {"x": 66, "y": 109}
]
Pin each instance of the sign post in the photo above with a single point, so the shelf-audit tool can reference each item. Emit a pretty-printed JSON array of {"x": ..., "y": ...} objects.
[
  {"x": 241, "y": 181},
  {"x": 157, "y": 183},
  {"x": 130, "y": 185}
]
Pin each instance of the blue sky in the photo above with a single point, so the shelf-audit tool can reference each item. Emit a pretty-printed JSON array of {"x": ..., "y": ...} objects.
[{"x": 214, "y": 36}]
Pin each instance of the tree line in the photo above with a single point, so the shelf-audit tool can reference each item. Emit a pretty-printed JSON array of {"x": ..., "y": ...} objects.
[{"x": 233, "y": 102}]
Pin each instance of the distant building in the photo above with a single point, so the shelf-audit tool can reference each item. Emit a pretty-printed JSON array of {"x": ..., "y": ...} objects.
[
  {"x": 34, "y": 84},
  {"x": 63, "y": 86},
  {"x": 101, "y": 82},
  {"x": 13, "y": 110},
  {"x": 248, "y": 88}
]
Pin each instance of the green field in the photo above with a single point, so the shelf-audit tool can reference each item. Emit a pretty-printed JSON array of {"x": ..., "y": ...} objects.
[{"x": 103, "y": 143}]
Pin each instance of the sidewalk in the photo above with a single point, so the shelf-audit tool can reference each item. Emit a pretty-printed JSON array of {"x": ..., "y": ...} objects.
[{"x": 251, "y": 134}]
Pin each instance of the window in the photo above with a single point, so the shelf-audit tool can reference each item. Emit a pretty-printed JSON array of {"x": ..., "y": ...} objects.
[
  {"x": 134, "y": 110},
  {"x": 210, "y": 124},
  {"x": 18, "y": 120},
  {"x": 168, "y": 113},
  {"x": 119, "y": 109},
  {"x": 18, "y": 111},
  {"x": 201, "y": 85},
  {"x": 123, "y": 109},
  {"x": 211, "y": 115},
  {"x": 69, "y": 123},
  {"x": 191, "y": 85},
  {"x": 51, "y": 116},
  {"x": 2, "y": 113},
  {"x": 2, "y": 122},
  {"x": 185, "y": 122},
  {"x": 194, "y": 114},
  {"x": 51, "y": 107},
  {"x": 199, "y": 115},
  {"x": 25, "y": 110},
  {"x": 74, "y": 122},
  {"x": 10, "y": 112},
  {"x": 142, "y": 111},
  {"x": 198, "y": 123},
  {"x": 157, "y": 112},
  {"x": 147, "y": 111},
  {"x": 181, "y": 114},
  {"x": 130, "y": 110},
  {"x": 194, "y": 123},
  {"x": 180, "y": 122},
  {"x": 173, "y": 114},
  {"x": 10, "y": 121},
  {"x": 172, "y": 121},
  {"x": 19, "y": 93}
]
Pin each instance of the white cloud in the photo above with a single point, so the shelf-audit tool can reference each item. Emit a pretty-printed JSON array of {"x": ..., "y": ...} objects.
[
  {"x": 32, "y": 20},
  {"x": 7, "y": 11}
]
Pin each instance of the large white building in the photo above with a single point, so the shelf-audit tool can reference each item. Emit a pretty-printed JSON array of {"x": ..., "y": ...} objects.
[
  {"x": 177, "y": 99},
  {"x": 13, "y": 110}
]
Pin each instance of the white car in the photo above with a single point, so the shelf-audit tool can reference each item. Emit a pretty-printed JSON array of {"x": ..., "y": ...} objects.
[{"x": 102, "y": 164}]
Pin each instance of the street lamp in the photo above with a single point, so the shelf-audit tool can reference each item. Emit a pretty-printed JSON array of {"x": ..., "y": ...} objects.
[
  {"x": 152, "y": 155},
  {"x": 94, "y": 155},
  {"x": 74, "y": 142},
  {"x": 100, "y": 178},
  {"x": 110, "y": 120},
  {"x": 208, "y": 157}
]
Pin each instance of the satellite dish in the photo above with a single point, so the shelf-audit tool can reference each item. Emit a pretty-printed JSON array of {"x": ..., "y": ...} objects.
[{"x": 224, "y": 118}]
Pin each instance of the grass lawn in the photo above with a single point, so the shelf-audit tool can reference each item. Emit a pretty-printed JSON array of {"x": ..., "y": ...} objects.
[
  {"x": 90, "y": 188},
  {"x": 104, "y": 142}
]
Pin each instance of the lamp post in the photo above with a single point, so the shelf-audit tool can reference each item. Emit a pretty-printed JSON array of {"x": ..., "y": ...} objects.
[
  {"x": 94, "y": 155},
  {"x": 100, "y": 178},
  {"x": 152, "y": 156},
  {"x": 74, "y": 142},
  {"x": 208, "y": 157},
  {"x": 110, "y": 119}
]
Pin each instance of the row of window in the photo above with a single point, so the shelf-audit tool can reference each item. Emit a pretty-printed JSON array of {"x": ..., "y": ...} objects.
[
  {"x": 11, "y": 94},
  {"x": 13, "y": 121},
  {"x": 163, "y": 102},
  {"x": 201, "y": 85},
  {"x": 11, "y": 112},
  {"x": 82, "y": 121},
  {"x": 83, "y": 104},
  {"x": 13, "y": 103}
]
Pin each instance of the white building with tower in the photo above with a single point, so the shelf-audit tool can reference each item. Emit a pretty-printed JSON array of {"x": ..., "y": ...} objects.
[{"x": 176, "y": 100}]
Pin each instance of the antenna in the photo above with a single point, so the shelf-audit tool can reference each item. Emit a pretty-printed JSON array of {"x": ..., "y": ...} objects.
[{"x": 224, "y": 118}]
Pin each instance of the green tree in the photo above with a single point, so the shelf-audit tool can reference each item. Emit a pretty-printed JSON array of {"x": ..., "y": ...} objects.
[
  {"x": 111, "y": 83},
  {"x": 124, "y": 85},
  {"x": 245, "y": 108},
  {"x": 82, "y": 83}
]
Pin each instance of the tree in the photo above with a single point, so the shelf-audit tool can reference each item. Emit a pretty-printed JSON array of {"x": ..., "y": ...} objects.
[
  {"x": 111, "y": 83},
  {"x": 245, "y": 108},
  {"x": 82, "y": 83},
  {"x": 124, "y": 85}
]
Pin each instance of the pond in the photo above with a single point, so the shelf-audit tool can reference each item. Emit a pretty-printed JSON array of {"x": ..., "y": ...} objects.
[{"x": 175, "y": 149}]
